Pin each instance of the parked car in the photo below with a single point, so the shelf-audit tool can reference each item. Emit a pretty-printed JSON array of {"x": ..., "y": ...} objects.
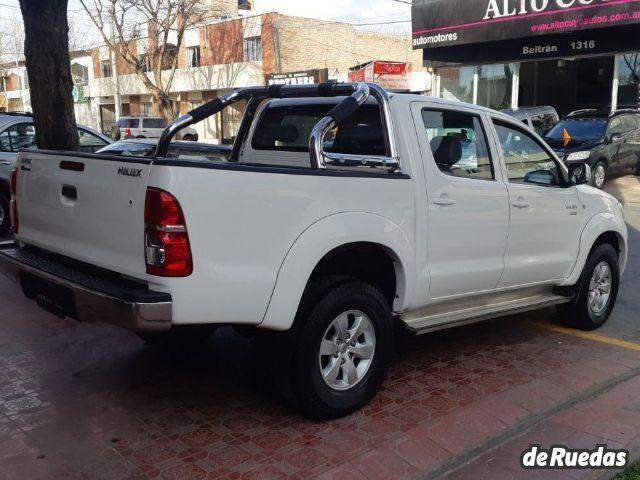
[
  {"x": 177, "y": 149},
  {"x": 147, "y": 127},
  {"x": 607, "y": 141},
  {"x": 538, "y": 119},
  {"x": 341, "y": 214},
  {"x": 17, "y": 132}
]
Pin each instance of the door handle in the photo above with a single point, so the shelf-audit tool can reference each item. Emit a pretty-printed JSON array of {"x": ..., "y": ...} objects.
[
  {"x": 520, "y": 203},
  {"x": 69, "y": 192},
  {"x": 444, "y": 201}
]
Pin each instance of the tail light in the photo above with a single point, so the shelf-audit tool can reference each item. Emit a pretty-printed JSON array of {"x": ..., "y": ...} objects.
[
  {"x": 13, "y": 180},
  {"x": 127, "y": 133},
  {"x": 166, "y": 242}
]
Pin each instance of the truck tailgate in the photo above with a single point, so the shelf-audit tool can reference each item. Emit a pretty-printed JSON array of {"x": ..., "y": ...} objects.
[{"x": 87, "y": 207}]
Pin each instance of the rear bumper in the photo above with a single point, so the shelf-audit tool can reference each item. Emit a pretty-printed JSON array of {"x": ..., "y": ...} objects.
[{"x": 93, "y": 294}]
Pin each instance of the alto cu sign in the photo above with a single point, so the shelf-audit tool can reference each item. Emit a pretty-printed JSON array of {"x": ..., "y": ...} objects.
[{"x": 444, "y": 23}]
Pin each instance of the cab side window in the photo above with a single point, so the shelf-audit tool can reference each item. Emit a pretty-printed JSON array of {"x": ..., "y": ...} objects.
[
  {"x": 526, "y": 160},
  {"x": 458, "y": 144},
  {"x": 16, "y": 137}
]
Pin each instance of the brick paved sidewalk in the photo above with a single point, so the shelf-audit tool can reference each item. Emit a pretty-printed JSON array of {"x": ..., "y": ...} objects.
[{"x": 89, "y": 401}]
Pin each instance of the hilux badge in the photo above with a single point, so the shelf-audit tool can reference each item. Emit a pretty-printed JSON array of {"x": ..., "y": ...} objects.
[{"x": 130, "y": 172}]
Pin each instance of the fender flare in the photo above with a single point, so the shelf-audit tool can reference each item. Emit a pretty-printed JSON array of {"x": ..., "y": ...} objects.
[
  {"x": 321, "y": 238},
  {"x": 598, "y": 225}
]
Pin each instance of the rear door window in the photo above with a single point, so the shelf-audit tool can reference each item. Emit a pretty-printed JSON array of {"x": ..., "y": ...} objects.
[
  {"x": 154, "y": 123},
  {"x": 128, "y": 123},
  {"x": 17, "y": 137},
  {"x": 458, "y": 144},
  {"x": 90, "y": 143}
]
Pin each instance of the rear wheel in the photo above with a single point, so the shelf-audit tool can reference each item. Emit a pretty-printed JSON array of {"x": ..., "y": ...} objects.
[
  {"x": 341, "y": 350},
  {"x": 189, "y": 138},
  {"x": 596, "y": 292},
  {"x": 5, "y": 216},
  {"x": 599, "y": 175}
]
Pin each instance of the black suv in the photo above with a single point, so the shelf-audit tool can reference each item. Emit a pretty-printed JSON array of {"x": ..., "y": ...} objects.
[{"x": 607, "y": 141}]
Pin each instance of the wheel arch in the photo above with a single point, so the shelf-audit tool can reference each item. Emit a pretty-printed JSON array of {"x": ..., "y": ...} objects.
[
  {"x": 340, "y": 244},
  {"x": 602, "y": 228}
]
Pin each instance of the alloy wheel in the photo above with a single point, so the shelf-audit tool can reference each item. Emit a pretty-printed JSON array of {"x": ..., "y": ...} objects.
[{"x": 347, "y": 350}]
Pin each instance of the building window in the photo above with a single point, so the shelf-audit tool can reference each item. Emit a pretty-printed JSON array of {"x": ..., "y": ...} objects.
[
  {"x": 146, "y": 108},
  {"x": 144, "y": 62},
  {"x": 105, "y": 69},
  {"x": 253, "y": 49},
  {"x": 629, "y": 80},
  {"x": 193, "y": 56}
]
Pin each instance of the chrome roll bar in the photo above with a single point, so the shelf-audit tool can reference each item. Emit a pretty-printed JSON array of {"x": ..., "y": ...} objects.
[{"x": 356, "y": 93}]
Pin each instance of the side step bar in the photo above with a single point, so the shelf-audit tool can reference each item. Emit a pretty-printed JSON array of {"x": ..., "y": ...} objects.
[{"x": 434, "y": 318}]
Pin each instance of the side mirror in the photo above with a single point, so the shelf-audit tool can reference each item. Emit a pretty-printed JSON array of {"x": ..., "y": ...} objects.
[
  {"x": 579, "y": 173},
  {"x": 541, "y": 177}
]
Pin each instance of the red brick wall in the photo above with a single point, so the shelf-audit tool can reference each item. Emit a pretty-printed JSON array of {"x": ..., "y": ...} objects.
[
  {"x": 13, "y": 82},
  {"x": 209, "y": 95},
  {"x": 184, "y": 103},
  {"x": 95, "y": 56},
  {"x": 223, "y": 43},
  {"x": 269, "y": 64},
  {"x": 134, "y": 105}
]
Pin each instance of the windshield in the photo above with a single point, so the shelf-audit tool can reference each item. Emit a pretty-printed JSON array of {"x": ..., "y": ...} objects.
[{"x": 582, "y": 129}]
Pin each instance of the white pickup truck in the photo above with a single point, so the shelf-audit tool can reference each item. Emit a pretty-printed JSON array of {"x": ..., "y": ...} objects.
[{"x": 342, "y": 211}]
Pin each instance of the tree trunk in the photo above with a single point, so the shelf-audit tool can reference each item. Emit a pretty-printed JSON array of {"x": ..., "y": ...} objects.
[
  {"x": 46, "y": 49},
  {"x": 166, "y": 107}
]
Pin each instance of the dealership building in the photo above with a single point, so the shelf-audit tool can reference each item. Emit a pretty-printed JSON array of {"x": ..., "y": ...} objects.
[{"x": 571, "y": 54}]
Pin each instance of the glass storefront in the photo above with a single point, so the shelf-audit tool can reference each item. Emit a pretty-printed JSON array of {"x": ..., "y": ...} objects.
[
  {"x": 494, "y": 85},
  {"x": 456, "y": 83},
  {"x": 566, "y": 84},
  {"x": 629, "y": 80}
]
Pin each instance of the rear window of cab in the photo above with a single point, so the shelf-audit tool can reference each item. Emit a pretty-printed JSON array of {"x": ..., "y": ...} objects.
[{"x": 288, "y": 128}]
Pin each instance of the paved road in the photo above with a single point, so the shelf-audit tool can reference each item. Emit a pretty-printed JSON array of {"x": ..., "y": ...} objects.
[{"x": 625, "y": 321}]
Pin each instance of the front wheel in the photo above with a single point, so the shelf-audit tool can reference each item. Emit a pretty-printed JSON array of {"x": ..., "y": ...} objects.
[
  {"x": 189, "y": 138},
  {"x": 596, "y": 291},
  {"x": 342, "y": 350},
  {"x": 599, "y": 175},
  {"x": 5, "y": 216}
]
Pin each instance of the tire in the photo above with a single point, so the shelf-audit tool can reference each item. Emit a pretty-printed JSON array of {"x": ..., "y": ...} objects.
[
  {"x": 599, "y": 174},
  {"x": 585, "y": 312},
  {"x": 188, "y": 138},
  {"x": 5, "y": 215},
  {"x": 354, "y": 369}
]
